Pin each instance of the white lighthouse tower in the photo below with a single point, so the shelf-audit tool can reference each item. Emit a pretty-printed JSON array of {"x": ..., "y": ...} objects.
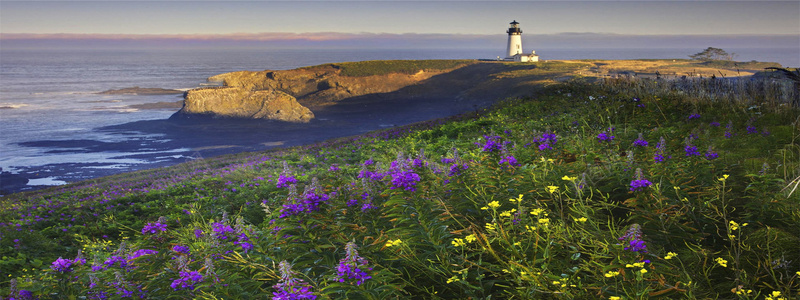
[
  {"x": 514, "y": 49},
  {"x": 514, "y": 39}
]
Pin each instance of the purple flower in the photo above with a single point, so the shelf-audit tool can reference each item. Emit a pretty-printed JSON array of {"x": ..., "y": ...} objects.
[
  {"x": 186, "y": 281},
  {"x": 545, "y": 146},
  {"x": 710, "y": 154},
  {"x": 510, "y": 160},
  {"x": 633, "y": 236},
  {"x": 714, "y": 124},
  {"x": 457, "y": 169},
  {"x": 690, "y": 149},
  {"x": 606, "y": 136},
  {"x": 661, "y": 148},
  {"x": 636, "y": 246},
  {"x": 352, "y": 266},
  {"x": 114, "y": 259},
  {"x": 221, "y": 230},
  {"x": 141, "y": 252},
  {"x": 62, "y": 265},
  {"x": 493, "y": 142},
  {"x": 640, "y": 141},
  {"x": 638, "y": 182},
  {"x": 286, "y": 180},
  {"x": 289, "y": 287},
  {"x": 751, "y": 129},
  {"x": 368, "y": 206},
  {"x": 333, "y": 168},
  {"x": 181, "y": 249},
  {"x": 694, "y": 116},
  {"x": 154, "y": 228}
]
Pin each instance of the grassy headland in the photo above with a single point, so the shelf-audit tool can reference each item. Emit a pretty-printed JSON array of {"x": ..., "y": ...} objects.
[{"x": 618, "y": 188}]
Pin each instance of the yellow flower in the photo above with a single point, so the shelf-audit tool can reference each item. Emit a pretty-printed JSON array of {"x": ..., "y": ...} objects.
[
  {"x": 459, "y": 242},
  {"x": 484, "y": 208},
  {"x": 635, "y": 265},
  {"x": 391, "y": 243},
  {"x": 611, "y": 274},
  {"x": 517, "y": 244},
  {"x": 452, "y": 279},
  {"x": 643, "y": 271},
  {"x": 544, "y": 221},
  {"x": 519, "y": 199},
  {"x": 722, "y": 262},
  {"x": 490, "y": 226},
  {"x": 670, "y": 255},
  {"x": 723, "y": 178},
  {"x": 581, "y": 219},
  {"x": 470, "y": 238},
  {"x": 508, "y": 213},
  {"x": 733, "y": 225},
  {"x": 552, "y": 189},
  {"x": 537, "y": 211},
  {"x": 494, "y": 204},
  {"x": 614, "y": 298},
  {"x": 531, "y": 229},
  {"x": 567, "y": 178}
]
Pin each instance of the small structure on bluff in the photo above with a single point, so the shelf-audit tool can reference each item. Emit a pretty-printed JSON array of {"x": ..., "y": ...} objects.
[{"x": 514, "y": 50}]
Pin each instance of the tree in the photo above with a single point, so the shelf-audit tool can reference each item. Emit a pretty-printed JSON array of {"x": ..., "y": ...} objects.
[{"x": 712, "y": 53}]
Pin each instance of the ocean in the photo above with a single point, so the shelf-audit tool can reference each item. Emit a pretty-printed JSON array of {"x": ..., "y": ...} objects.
[{"x": 50, "y": 109}]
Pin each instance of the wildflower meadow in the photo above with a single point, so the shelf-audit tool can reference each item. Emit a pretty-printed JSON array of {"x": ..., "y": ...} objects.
[{"x": 606, "y": 190}]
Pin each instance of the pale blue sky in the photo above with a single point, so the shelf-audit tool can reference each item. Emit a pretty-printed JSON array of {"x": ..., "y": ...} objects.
[{"x": 447, "y": 17}]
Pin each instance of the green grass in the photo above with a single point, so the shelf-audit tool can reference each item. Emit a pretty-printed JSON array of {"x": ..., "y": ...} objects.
[{"x": 472, "y": 226}]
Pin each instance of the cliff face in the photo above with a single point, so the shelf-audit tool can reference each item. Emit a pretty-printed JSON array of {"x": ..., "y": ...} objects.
[
  {"x": 281, "y": 95},
  {"x": 321, "y": 85},
  {"x": 236, "y": 102}
]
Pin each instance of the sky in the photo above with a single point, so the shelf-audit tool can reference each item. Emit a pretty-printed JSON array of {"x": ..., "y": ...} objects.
[{"x": 422, "y": 22}]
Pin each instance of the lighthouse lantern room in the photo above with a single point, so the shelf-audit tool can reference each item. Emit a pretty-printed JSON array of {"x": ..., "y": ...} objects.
[{"x": 514, "y": 49}]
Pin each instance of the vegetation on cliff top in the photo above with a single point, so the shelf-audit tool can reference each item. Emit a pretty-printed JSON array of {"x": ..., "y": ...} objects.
[
  {"x": 383, "y": 67},
  {"x": 616, "y": 190}
]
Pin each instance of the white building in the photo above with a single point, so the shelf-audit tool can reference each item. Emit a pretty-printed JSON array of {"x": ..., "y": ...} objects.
[{"x": 514, "y": 50}]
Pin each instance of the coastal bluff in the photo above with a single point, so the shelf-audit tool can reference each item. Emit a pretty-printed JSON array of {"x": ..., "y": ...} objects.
[
  {"x": 237, "y": 102},
  {"x": 285, "y": 95},
  {"x": 390, "y": 86}
]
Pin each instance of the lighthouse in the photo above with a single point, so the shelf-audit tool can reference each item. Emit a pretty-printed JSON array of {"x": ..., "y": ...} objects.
[
  {"x": 514, "y": 39},
  {"x": 514, "y": 49}
]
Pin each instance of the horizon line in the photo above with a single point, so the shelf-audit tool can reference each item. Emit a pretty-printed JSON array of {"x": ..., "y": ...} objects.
[{"x": 322, "y": 36}]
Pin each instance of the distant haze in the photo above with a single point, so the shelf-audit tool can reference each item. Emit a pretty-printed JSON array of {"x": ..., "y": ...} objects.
[
  {"x": 394, "y": 41},
  {"x": 399, "y": 24}
]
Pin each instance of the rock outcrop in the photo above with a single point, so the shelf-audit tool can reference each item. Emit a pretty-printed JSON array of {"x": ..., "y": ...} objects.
[
  {"x": 322, "y": 85},
  {"x": 237, "y": 102},
  {"x": 284, "y": 95}
]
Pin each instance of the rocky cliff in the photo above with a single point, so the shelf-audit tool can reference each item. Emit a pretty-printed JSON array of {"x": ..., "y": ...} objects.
[
  {"x": 237, "y": 102},
  {"x": 284, "y": 95},
  {"x": 322, "y": 85}
]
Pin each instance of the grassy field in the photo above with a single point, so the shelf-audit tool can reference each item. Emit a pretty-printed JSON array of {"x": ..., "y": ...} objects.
[{"x": 619, "y": 189}]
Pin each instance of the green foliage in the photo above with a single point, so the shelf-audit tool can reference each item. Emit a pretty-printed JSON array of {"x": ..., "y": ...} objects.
[
  {"x": 712, "y": 53},
  {"x": 469, "y": 226}
]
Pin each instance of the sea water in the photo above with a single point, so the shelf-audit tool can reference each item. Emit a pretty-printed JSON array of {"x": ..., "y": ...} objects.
[{"x": 52, "y": 94}]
